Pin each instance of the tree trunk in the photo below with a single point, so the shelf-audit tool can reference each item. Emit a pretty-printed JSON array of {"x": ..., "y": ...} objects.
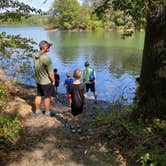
[{"x": 152, "y": 95}]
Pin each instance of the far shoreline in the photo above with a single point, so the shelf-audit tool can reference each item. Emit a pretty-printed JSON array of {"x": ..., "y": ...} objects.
[{"x": 120, "y": 29}]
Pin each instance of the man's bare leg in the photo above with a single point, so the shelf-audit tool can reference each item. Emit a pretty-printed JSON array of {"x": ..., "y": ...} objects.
[
  {"x": 37, "y": 103},
  {"x": 47, "y": 104},
  {"x": 95, "y": 96}
]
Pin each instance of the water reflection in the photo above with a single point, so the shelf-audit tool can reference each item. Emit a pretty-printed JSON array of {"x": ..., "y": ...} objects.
[
  {"x": 104, "y": 50},
  {"x": 115, "y": 60}
]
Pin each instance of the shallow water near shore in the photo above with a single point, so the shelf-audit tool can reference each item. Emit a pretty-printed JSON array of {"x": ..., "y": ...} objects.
[{"x": 116, "y": 61}]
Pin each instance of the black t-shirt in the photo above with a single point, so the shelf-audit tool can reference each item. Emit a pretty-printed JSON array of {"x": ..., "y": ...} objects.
[
  {"x": 57, "y": 79},
  {"x": 77, "y": 92}
]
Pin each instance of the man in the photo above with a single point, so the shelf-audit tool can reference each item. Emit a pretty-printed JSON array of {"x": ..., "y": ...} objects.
[
  {"x": 89, "y": 77},
  {"x": 44, "y": 77}
]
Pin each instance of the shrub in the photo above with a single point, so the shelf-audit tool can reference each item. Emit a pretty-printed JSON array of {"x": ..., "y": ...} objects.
[
  {"x": 9, "y": 128},
  {"x": 3, "y": 91}
]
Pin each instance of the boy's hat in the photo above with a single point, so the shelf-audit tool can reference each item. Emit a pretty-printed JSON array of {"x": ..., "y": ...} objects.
[
  {"x": 86, "y": 64},
  {"x": 55, "y": 70},
  {"x": 68, "y": 74},
  {"x": 137, "y": 79},
  {"x": 44, "y": 42}
]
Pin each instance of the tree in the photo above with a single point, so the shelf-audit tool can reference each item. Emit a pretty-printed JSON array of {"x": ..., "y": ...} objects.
[
  {"x": 14, "y": 48},
  {"x": 66, "y": 14},
  {"x": 70, "y": 15},
  {"x": 85, "y": 17},
  {"x": 14, "y": 10},
  {"x": 152, "y": 95},
  {"x": 153, "y": 71}
]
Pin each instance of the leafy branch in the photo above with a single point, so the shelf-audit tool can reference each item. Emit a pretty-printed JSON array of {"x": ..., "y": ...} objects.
[{"x": 14, "y": 10}]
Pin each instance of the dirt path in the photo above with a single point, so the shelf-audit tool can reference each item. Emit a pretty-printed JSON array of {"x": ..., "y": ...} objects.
[{"x": 48, "y": 141}]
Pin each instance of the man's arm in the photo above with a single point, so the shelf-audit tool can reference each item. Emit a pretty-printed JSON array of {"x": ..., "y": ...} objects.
[{"x": 52, "y": 78}]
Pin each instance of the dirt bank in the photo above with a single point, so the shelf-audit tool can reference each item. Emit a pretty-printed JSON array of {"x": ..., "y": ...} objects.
[{"x": 49, "y": 141}]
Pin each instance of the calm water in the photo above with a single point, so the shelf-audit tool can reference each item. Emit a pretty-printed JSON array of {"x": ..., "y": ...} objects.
[{"x": 117, "y": 62}]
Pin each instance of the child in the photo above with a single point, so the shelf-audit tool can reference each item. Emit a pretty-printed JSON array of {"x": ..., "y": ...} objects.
[
  {"x": 67, "y": 83},
  {"x": 55, "y": 91},
  {"x": 57, "y": 79},
  {"x": 78, "y": 100}
]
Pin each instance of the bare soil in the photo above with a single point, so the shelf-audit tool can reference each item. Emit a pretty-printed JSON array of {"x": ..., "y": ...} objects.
[{"x": 48, "y": 141}]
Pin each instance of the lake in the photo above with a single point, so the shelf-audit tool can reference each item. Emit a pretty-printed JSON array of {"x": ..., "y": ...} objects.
[{"x": 117, "y": 62}]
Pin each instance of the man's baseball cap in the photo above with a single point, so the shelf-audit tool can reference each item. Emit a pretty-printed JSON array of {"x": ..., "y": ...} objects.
[{"x": 44, "y": 42}]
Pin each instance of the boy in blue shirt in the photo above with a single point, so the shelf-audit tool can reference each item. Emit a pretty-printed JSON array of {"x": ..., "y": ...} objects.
[{"x": 67, "y": 83}]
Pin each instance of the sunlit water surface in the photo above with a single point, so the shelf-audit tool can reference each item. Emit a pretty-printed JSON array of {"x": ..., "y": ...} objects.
[{"x": 116, "y": 61}]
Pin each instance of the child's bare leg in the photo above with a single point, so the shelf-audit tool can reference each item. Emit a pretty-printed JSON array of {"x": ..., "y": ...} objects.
[
  {"x": 78, "y": 125},
  {"x": 73, "y": 120},
  {"x": 72, "y": 123},
  {"x": 79, "y": 119}
]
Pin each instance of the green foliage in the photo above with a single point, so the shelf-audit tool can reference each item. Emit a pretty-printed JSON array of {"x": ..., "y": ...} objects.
[
  {"x": 16, "y": 49},
  {"x": 13, "y": 48},
  {"x": 111, "y": 160},
  {"x": 3, "y": 91},
  {"x": 159, "y": 124},
  {"x": 9, "y": 129},
  {"x": 134, "y": 11},
  {"x": 67, "y": 25},
  {"x": 100, "y": 116},
  {"x": 97, "y": 25},
  {"x": 19, "y": 10},
  {"x": 145, "y": 159},
  {"x": 145, "y": 141},
  {"x": 66, "y": 13},
  {"x": 69, "y": 15}
]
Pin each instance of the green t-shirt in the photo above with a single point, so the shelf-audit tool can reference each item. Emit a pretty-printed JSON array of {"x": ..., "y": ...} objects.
[
  {"x": 43, "y": 67},
  {"x": 86, "y": 74}
]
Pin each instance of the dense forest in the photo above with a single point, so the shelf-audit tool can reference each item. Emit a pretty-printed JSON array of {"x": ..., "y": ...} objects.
[{"x": 71, "y": 15}]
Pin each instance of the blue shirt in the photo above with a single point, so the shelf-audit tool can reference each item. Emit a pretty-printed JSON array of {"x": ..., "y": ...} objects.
[{"x": 67, "y": 83}]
